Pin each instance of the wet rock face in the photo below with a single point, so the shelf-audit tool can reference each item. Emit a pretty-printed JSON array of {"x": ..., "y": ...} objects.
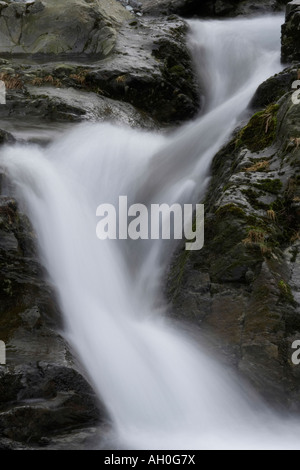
[
  {"x": 54, "y": 27},
  {"x": 208, "y": 8},
  {"x": 147, "y": 82},
  {"x": 291, "y": 33},
  {"x": 144, "y": 63},
  {"x": 43, "y": 392},
  {"x": 274, "y": 88},
  {"x": 152, "y": 71},
  {"x": 243, "y": 286}
]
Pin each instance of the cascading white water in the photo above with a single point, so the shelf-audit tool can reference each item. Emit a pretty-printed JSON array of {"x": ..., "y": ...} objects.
[{"x": 160, "y": 388}]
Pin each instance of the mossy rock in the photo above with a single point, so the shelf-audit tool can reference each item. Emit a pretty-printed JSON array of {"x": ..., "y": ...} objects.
[
  {"x": 231, "y": 209},
  {"x": 290, "y": 36},
  {"x": 286, "y": 292},
  {"x": 260, "y": 132},
  {"x": 269, "y": 185}
]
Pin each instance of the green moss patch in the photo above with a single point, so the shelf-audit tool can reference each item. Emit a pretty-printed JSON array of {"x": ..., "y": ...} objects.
[
  {"x": 231, "y": 209},
  {"x": 268, "y": 185},
  {"x": 260, "y": 132},
  {"x": 285, "y": 292},
  {"x": 252, "y": 197}
]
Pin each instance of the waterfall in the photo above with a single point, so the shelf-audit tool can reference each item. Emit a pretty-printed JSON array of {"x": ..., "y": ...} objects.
[{"x": 160, "y": 387}]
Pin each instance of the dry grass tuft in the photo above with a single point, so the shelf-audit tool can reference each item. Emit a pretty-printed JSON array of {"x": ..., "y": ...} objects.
[
  {"x": 121, "y": 79},
  {"x": 296, "y": 141},
  {"x": 12, "y": 82},
  {"x": 79, "y": 77},
  {"x": 48, "y": 80},
  {"x": 271, "y": 214},
  {"x": 256, "y": 237},
  {"x": 259, "y": 166},
  {"x": 295, "y": 236}
]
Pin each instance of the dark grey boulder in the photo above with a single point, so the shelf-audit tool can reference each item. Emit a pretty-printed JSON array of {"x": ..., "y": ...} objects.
[{"x": 290, "y": 40}]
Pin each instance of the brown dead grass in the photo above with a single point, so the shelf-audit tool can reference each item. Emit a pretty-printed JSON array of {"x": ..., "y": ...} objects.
[
  {"x": 259, "y": 166},
  {"x": 47, "y": 80},
  {"x": 256, "y": 237},
  {"x": 121, "y": 79},
  {"x": 296, "y": 141},
  {"x": 295, "y": 237},
  {"x": 79, "y": 77},
  {"x": 271, "y": 215},
  {"x": 12, "y": 82}
]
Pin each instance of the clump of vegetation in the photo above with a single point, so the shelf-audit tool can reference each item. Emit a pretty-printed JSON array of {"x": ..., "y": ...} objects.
[
  {"x": 263, "y": 165},
  {"x": 257, "y": 237},
  {"x": 252, "y": 197},
  {"x": 8, "y": 287},
  {"x": 79, "y": 77},
  {"x": 296, "y": 141},
  {"x": 254, "y": 236},
  {"x": 37, "y": 81},
  {"x": 177, "y": 69},
  {"x": 268, "y": 185},
  {"x": 260, "y": 132},
  {"x": 12, "y": 82},
  {"x": 231, "y": 209},
  {"x": 295, "y": 236},
  {"x": 271, "y": 214},
  {"x": 285, "y": 292},
  {"x": 47, "y": 80},
  {"x": 121, "y": 79}
]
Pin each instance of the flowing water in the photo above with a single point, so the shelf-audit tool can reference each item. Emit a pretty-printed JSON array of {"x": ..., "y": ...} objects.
[{"x": 160, "y": 388}]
